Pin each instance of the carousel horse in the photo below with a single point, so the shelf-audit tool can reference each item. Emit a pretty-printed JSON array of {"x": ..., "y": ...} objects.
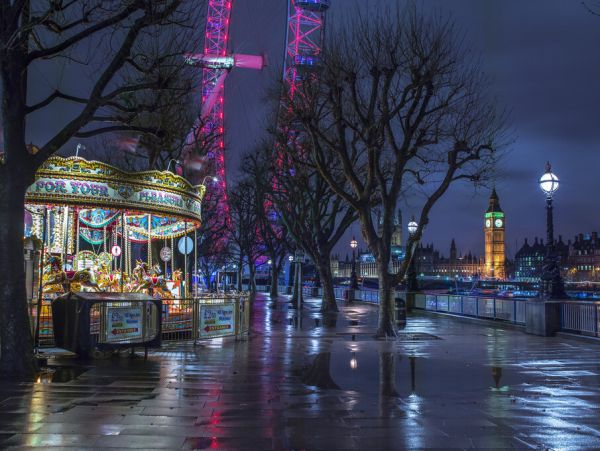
[
  {"x": 107, "y": 280},
  {"x": 150, "y": 281},
  {"x": 57, "y": 276}
]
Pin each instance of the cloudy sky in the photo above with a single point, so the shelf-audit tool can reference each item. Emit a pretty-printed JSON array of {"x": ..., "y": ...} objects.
[{"x": 543, "y": 60}]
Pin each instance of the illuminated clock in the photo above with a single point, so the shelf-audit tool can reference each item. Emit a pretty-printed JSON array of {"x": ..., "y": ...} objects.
[
  {"x": 498, "y": 222},
  {"x": 488, "y": 223}
]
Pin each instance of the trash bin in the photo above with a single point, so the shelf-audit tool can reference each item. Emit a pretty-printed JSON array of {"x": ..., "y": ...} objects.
[
  {"x": 400, "y": 311},
  {"x": 92, "y": 323}
]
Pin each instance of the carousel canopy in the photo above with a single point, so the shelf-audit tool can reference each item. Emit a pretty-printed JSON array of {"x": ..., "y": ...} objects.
[{"x": 102, "y": 191}]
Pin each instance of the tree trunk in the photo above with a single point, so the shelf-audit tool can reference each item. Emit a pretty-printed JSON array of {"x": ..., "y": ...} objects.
[
  {"x": 386, "y": 325},
  {"x": 252, "y": 281},
  {"x": 274, "y": 282},
  {"x": 328, "y": 303},
  {"x": 240, "y": 272},
  {"x": 387, "y": 374},
  {"x": 16, "y": 344},
  {"x": 318, "y": 373}
]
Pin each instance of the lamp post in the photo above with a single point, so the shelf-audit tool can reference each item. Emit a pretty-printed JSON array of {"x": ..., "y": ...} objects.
[
  {"x": 411, "y": 276},
  {"x": 214, "y": 179},
  {"x": 177, "y": 162},
  {"x": 290, "y": 282},
  {"x": 353, "y": 277},
  {"x": 297, "y": 297},
  {"x": 552, "y": 286}
]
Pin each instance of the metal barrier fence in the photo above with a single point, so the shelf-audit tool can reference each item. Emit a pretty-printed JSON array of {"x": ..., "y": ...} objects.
[
  {"x": 102, "y": 329},
  {"x": 370, "y": 296},
  {"x": 46, "y": 330},
  {"x": 581, "y": 317},
  {"x": 510, "y": 310},
  {"x": 203, "y": 317}
]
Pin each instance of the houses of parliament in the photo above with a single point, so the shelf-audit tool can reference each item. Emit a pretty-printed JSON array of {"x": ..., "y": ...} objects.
[{"x": 430, "y": 262}]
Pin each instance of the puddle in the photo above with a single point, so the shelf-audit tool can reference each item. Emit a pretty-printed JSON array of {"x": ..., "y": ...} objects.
[
  {"x": 393, "y": 374},
  {"x": 59, "y": 374}
]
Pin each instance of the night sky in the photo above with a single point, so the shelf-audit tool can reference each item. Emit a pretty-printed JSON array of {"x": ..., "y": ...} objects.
[{"x": 543, "y": 59}]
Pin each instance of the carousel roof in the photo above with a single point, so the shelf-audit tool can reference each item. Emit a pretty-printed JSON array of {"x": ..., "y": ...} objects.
[{"x": 162, "y": 202}]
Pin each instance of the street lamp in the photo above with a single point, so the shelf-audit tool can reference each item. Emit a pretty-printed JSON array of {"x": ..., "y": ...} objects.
[
  {"x": 290, "y": 278},
  {"x": 173, "y": 160},
  {"x": 297, "y": 299},
  {"x": 353, "y": 277},
  {"x": 213, "y": 178},
  {"x": 411, "y": 276},
  {"x": 552, "y": 284}
]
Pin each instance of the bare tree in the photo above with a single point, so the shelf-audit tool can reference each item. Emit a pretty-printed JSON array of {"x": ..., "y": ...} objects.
[
  {"x": 243, "y": 227},
  {"x": 214, "y": 248},
  {"x": 105, "y": 39},
  {"x": 404, "y": 110},
  {"x": 314, "y": 214},
  {"x": 272, "y": 233}
]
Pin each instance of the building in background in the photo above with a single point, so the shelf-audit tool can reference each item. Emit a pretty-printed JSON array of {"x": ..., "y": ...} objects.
[
  {"x": 529, "y": 259},
  {"x": 584, "y": 259}
]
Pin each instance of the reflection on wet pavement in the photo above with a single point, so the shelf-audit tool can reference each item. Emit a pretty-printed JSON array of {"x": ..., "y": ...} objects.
[{"x": 321, "y": 382}]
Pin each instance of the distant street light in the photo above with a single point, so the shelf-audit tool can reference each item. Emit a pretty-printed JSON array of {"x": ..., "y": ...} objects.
[
  {"x": 214, "y": 178},
  {"x": 552, "y": 286},
  {"x": 411, "y": 277},
  {"x": 353, "y": 277}
]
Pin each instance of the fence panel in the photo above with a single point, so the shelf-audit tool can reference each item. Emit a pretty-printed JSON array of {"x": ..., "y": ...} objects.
[
  {"x": 339, "y": 292},
  {"x": 580, "y": 317},
  {"x": 505, "y": 309},
  {"x": 178, "y": 317},
  {"x": 420, "y": 301},
  {"x": 431, "y": 302},
  {"x": 469, "y": 306},
  {"x": 442, "y": 303},
  {"x": 455, "y": 304},
  {"x": 485, "y": 307}
]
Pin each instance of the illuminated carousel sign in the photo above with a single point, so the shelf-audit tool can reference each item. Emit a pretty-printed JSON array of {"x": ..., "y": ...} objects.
[{"x": 91, "y": 184}]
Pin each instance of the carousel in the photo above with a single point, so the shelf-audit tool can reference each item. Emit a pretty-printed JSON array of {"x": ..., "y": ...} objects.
[{"x": 103, "y": 229}]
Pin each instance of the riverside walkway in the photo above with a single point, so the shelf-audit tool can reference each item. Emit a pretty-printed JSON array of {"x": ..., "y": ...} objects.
[{"x": 321, "y": 383}]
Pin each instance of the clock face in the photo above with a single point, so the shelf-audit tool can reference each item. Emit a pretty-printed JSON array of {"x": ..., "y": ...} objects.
[
  {"x": 498, "y": 223},
  {"x": 488, "y": 223}
]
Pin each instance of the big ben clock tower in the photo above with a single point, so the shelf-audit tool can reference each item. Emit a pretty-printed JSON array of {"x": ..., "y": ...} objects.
[{"x": 494, "y": 226}]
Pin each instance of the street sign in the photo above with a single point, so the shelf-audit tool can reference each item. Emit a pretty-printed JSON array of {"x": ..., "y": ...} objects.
[
  {"x": 165, "y": 254},
  {"x": 217, "y": 320},
  {"x": 185, "y": 245},
  {"x": 115, "y": 250}
]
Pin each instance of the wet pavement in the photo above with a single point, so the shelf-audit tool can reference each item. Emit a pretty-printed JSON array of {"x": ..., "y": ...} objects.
[{"x": 321, "y": 383}]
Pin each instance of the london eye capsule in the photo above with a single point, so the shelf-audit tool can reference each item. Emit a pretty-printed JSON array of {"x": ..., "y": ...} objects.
[
  {"x": 307, "y": 61},
  {"x": 313, "y": 5}
]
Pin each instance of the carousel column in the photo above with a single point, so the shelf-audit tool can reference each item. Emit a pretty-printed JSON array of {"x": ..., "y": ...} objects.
[
  {"x": 78, "y": 227},
  {"x": 63, "y": 236},
  {"x": 149, "y": 241},
  {"x": 185, "y": 274},
  {"x": 41, "y": 281},
  {"x": 196, "y": 260},
  {"x": 164, "y": 260},
  {"x": 123, "y": 249},
  {"x": 173, "y": 260}
]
